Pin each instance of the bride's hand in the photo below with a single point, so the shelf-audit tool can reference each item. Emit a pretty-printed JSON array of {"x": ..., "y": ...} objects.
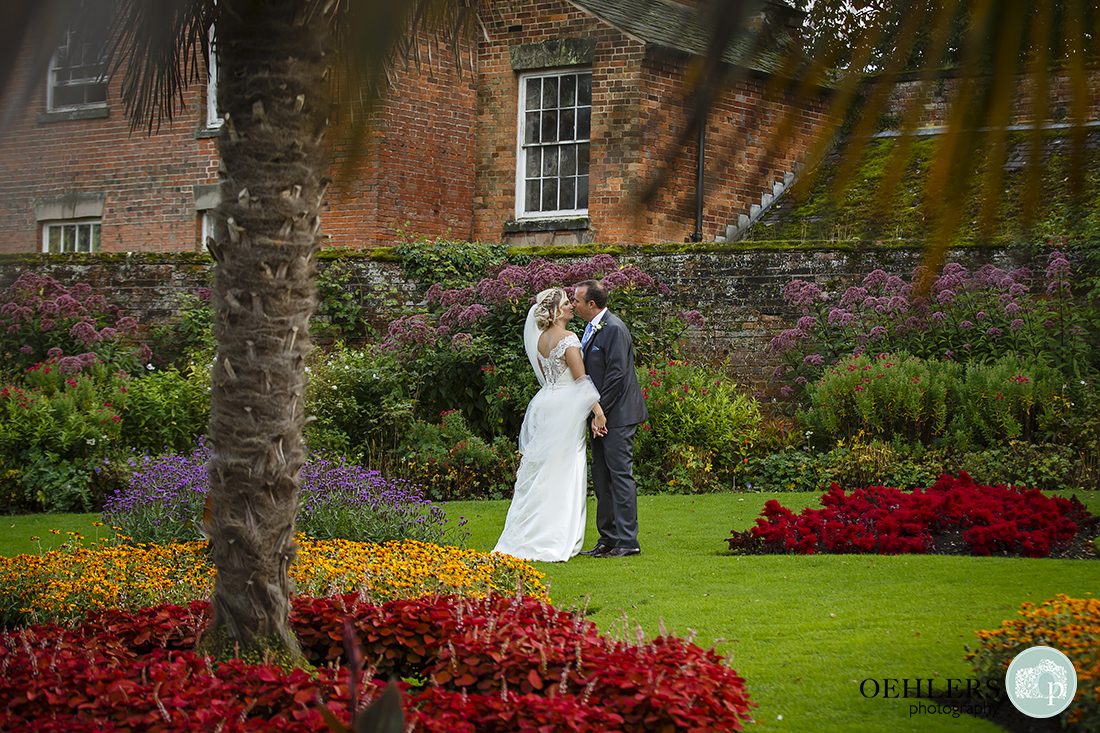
[{"x": 599, "y": 426}]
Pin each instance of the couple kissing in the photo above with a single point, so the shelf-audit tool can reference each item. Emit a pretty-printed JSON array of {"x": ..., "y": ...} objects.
[{"x": 587, "y": 382}]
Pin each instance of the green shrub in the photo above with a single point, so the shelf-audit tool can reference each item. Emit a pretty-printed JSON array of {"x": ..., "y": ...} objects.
[
  {"x": 451, "y": 462},
  {"x": 697, "y": 428},
  {"x": 56, "y": 430},
  {"x": 788, "y": 470},
  {"x": 859, "y": 464},
  {"x": 895, "y": 396},
  {"x": 360, "y": 399},
  {"x": 164, "y": 409},
  {"x": 188, "y": 339},
  {"x": 884, "y": 396}
]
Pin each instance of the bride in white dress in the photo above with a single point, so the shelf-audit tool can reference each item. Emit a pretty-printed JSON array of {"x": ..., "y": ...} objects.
[{"x": 547, "y": 517}]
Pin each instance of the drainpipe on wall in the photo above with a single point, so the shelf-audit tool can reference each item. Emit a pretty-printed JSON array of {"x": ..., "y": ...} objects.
[{"x": 697, "y": 235}]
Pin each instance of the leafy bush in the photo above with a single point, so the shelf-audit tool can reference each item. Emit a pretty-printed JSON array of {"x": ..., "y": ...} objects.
[
  {"x": 697, "y": 428},
  {"x": 361, "y": 398},
  {"x": 165, "y": 494},
  {"x": 971, "y": 318},
  {"x": 497, "y": 664},
  {"x": 57, "y": 429},
  {"x": 40, "y": 320},
  {"x": 785, "y": 470},
  {"x": 188, "y": 339},
  {"x": 164, "y": 410},
  {"x": 339, "y": 301},
  {"x": 954, "y": 516},
  {"x": 1066, "y": 624},
  {"x": 451, "y": 462},
  {"x": 893, "y": 396}
]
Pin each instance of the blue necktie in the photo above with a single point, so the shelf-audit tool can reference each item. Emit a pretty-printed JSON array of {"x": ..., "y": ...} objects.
[{"x": 587, "y": 334}]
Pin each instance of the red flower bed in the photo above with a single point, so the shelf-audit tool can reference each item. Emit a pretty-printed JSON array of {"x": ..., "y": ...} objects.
[
  {"x": 954, "y": 516},
  {"x": 493, "y": 664}
]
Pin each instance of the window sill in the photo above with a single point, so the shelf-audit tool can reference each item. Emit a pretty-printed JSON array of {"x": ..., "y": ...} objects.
[
  {"x": 546, "y": 225},
  {"x": 67, "y": 115},
  {"x": 204, "y": 133}
]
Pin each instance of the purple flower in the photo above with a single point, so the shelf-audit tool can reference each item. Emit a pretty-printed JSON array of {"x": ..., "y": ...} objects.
[
  {"x": 84, "y": 332},
  {"x": 806, "y": 324},
  {"x": 461, "y": 340},
  {"x": 800, "y": 380},
  {"x": 54, "y": 353},
  {"x": 964, "y": 325},
  {"x": 877, "y": 277},
  {"x": 695, "y": 319},
  {"x": 108, "y": 334},
  {"x": 801, "y": 293},
  {"x": 949, "y": 354},
  {"x": 945, "y": 297},
  {"x": 877, "y": 333},
  {"x": 786, "y": 391},
  {"x": 69, "y": 364},
  {"x": 813, "y": 360},
  {"x": 205, "y": 294},
  {"x": 980, "y": 315},
  {"x": 993, "y": 332},
  {"x": 663, "y": 289},
  {"x": 27, "y": 349},
  {"x": 1017, "y": 324},
  {"x": 1011, "y": 309},
  {"x": 127, "y": 325},
  {"x": 853, "y": 295},
  {"x": 471, "y": 315}
]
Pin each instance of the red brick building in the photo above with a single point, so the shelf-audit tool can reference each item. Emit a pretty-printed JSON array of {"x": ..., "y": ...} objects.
[{"x": 563, "y": 113}]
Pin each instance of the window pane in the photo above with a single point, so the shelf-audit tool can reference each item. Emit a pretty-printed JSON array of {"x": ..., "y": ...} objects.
[
  {"x": 550, "y": 93},
  {"x": 549, "y": 195},
  {"x": 95, "y": 237},
  {"x": 568, "y": 160},
  {"x": 584, "y": 123},
  {"x": 534, "y": 93},
  {"x": 582, "y": 192},
  {"x": 68, "y": 238},
  {"x": 565, "y": 124},
  {"x": 55, "y": 239},
  {"x": 95, "y": 93},
  {"x": 531, "y": 133},
  {"x": 533, "y": 195},
  {"x": 582, "y": 159},
  {"x": 83, "y": 237},
  {"x": 68, "y": 96},
  {"x": 549, "y": 127},
  {"x": 568, "y": 193},
  {"x": 534, "y": 161},
  {"x": 584, "y": 89},
  {"x": 549, "y": 162},
  {"x": 568, "y": 91}
]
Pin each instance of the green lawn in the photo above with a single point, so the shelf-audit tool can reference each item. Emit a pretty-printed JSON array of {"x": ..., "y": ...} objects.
[{"x": 803, "y": 631}]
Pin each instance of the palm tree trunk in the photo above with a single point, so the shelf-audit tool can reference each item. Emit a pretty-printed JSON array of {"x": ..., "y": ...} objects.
[{"x": 273, "y": 57}]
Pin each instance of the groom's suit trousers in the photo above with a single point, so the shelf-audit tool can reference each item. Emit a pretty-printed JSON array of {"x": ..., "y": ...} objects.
[{"x": 613, "y": 476}]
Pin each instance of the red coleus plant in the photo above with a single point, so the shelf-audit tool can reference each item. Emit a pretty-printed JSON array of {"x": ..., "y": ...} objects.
[
  {"x": 491, "y": 664},
  {"x": 955, "y": 516}
]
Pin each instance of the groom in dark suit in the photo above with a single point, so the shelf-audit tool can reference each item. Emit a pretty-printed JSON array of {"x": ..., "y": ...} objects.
[{"x": 609, "y": 360}]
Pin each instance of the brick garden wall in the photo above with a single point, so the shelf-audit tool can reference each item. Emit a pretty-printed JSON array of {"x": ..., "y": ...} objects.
[{"x": 740, "y": 291}]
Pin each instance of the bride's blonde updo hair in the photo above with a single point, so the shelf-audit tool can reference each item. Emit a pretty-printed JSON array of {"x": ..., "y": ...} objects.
[{"x": 549, "y": 307}]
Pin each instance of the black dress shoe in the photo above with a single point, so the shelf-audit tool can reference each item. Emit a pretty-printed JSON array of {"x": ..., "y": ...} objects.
[
  {"x": 619, "y": 552},
  {"x": 600, "y": 547}
]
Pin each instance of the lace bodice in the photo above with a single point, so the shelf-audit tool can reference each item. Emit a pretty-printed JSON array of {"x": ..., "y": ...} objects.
[{"x": 554, "y": 365}]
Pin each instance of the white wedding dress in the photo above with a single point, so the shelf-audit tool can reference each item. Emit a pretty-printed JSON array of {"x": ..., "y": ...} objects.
[{"x": 547, "y": 517}]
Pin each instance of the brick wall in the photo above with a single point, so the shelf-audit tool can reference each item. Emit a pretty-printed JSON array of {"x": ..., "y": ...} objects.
[
  {"x": 740, "y": 291},
  {"x": 146, "y": 181}
]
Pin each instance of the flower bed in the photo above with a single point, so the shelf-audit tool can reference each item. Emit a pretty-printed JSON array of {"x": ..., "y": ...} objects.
[
  {"x": 1071, "y": 625},
  {"x": 491, "y": 664},
  {"x": 66, "y": 583},
  {"x": 955, "y": 516}
]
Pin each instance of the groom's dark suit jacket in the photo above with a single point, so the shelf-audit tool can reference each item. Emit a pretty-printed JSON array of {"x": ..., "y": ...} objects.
[{"x": 609, "y": 361}]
